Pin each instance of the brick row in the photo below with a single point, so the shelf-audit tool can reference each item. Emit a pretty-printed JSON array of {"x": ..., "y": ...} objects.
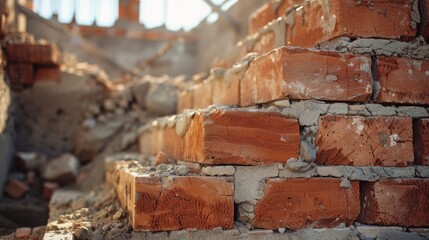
[
  {"x": 166, "y": 203},
  {"x": 33, "y": 53},
  {"x": 226, "y": 137},
  {"x": 318, "y": 21},
  {"x": 157, "y": 202},
  {"x": 300, "y": 73}
]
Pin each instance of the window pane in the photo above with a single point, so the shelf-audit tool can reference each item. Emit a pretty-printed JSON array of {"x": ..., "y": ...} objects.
[
  {"x": 152, "y": 13},
  {"x": 85, "y": 12},
  {"x": 105, "y": 13},
  {"x": 186, "y": 14},
  {"x": 66, "y": 11}
]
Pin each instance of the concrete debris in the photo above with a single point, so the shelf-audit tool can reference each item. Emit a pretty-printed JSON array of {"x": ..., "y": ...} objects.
[
  {"x": 63, "y": 169},
  {"x": 218, "y": 171},
  {"x": 297, "y": 165}
]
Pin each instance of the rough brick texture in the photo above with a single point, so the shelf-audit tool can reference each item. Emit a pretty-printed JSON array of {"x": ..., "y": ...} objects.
[
  {"x": 307, "y": 74},
  {"x": 176, "y": 203},
  {"x": 421, "y": 141},
  {"x": 321, "y": 20},
  {"x": 360, "y": 141},
  {"x": 396, "y": 203},
  {"x": 35, "y": 53},
  {"x": 243, "y": 138},
  {"x": 403, "y": 80},
  {"x": 268, "y": 12},
  {"x": 301, "y": 203}
]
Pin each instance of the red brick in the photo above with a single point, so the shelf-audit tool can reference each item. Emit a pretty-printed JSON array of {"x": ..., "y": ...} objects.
[
  {"x": 403, "y": 80},
  {"x": 185, "y": 100},
  {"x": 242, "y": 138},
  {"x": 23, "y": 233},
  {"x": 396, "y": 203},
  {"x": 361, "y": 141},
  {"x": 48, "y": 74},
  {"x": 175, "y": 203},
  {"x": 16, "y": 188},
  {"x": 21, "y": 74},
  {"x": 34, "y": 53},
  {"x": 226, "y": 91},
  {"x": 299, "y": 73},
  {"x": 321, "y": 20},
  {"x": 421, "y": 141},
  {"x": 48, "y": 189},
  {"x": 300, "y": 203},
  {"x": 203, "y": 95},
  {"x": 268, "y": 12}
]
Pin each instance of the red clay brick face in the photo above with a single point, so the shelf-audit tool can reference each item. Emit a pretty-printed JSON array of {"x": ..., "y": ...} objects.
[
  {"x": 421, "y": 141},
  {"x": 244, "y": 138},
  {"x": 360, "y": 141},
  {"x": 176, "y": 203},
  {"x": 396, "y": 202},
  {"x": 300, "y": 203},
  {"x": 320, "y": 21},
  {"x": 307, "y": 74},
  {"x": 403, "y": 80}
]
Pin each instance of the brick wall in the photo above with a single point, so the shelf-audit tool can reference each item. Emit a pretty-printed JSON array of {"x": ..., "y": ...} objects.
[{"x": 318, "y": 123}]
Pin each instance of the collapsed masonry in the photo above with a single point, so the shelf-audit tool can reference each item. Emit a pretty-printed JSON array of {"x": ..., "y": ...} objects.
[{"x": 315, "y": 127}]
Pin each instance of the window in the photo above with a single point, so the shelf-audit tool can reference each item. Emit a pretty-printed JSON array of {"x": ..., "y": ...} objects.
[{"x": 174, "y": 14}]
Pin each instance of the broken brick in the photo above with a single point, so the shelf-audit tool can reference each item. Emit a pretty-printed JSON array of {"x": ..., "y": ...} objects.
[
  {"x": 319, "y": 21},
  {"x": 396, "y": 202},
  {"x": 301, "y": 203},
  {"x": 176, "y": 203},
  {"x": 16, "y": 188},
  {"x": 403, "y": 80},
  {"x": 299, "y": 73},
  {"x": 242, "y": 138},
  {"x": 361, "y": 141},
  {"x": 421, "y": 141}
]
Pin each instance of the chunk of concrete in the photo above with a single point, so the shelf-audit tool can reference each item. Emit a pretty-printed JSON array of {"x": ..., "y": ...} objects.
[
  {"x": 218, "y": 171},
  {"x": 63, "y": 169},
  {"x": 249, "y": 182}
]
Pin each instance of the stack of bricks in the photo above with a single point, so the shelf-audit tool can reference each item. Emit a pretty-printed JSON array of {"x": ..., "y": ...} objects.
[
  {"x": 324, "y": 124},
  {"x": 28, "y": 61}
]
